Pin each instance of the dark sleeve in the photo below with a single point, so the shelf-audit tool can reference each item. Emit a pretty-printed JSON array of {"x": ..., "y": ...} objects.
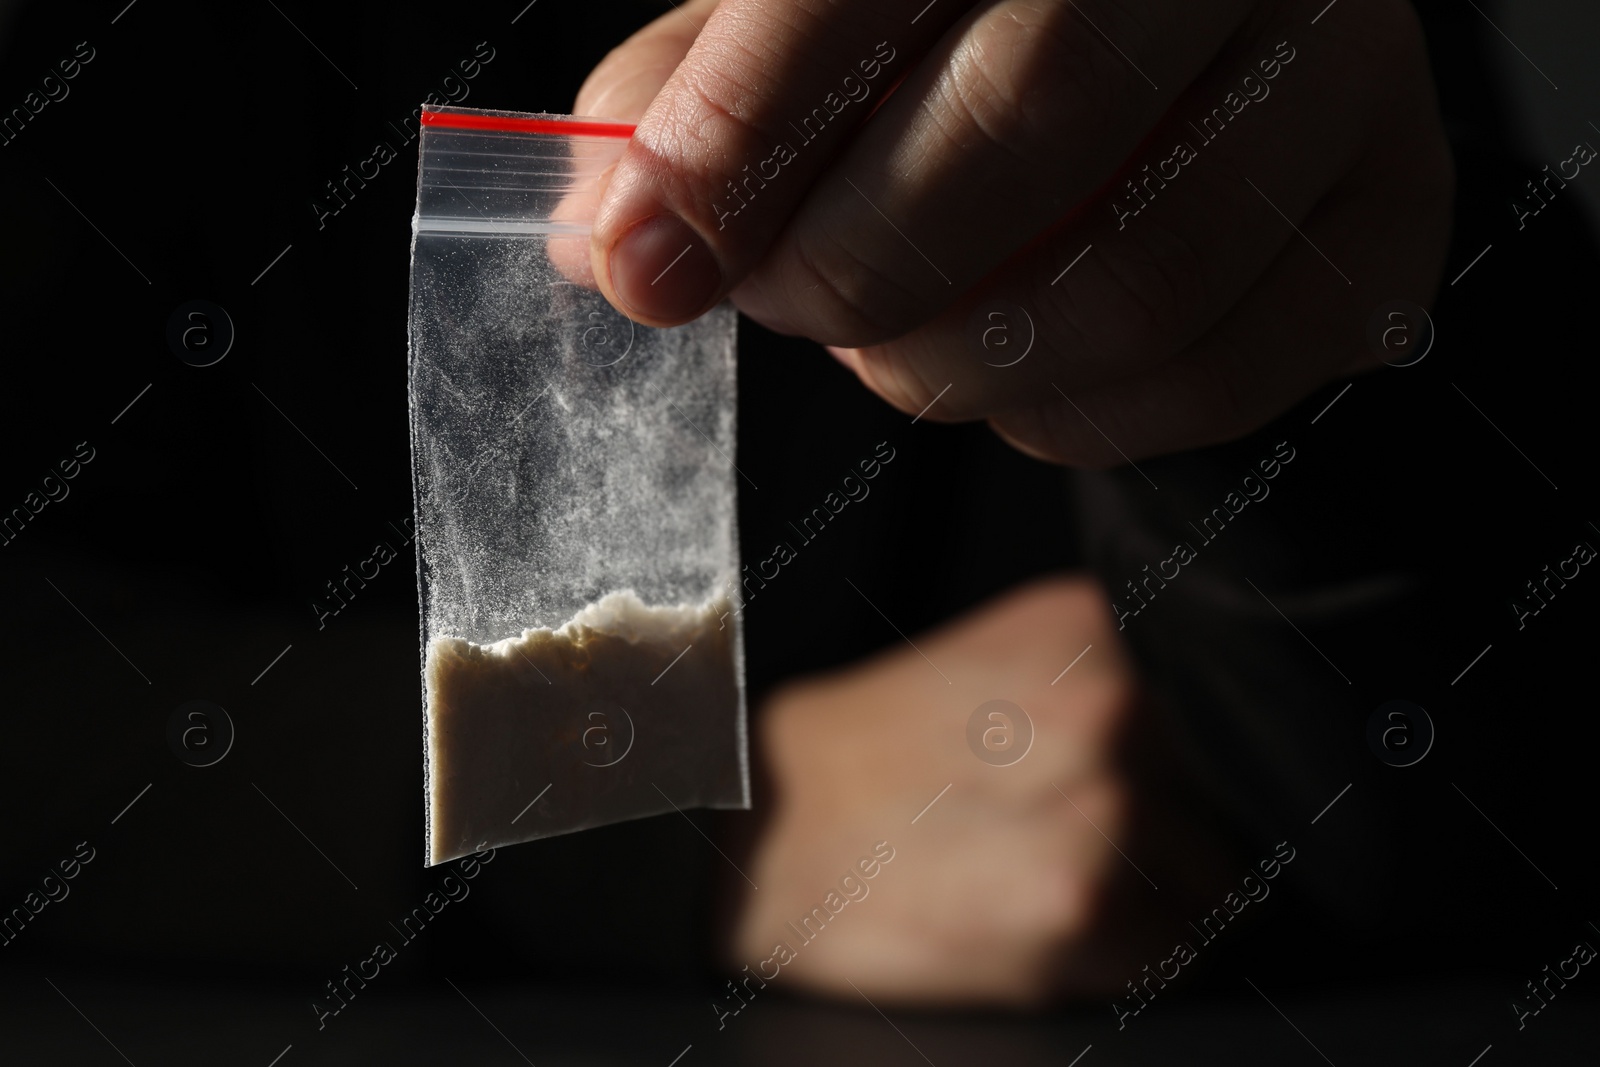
[{"x": 1385, "y": 561}]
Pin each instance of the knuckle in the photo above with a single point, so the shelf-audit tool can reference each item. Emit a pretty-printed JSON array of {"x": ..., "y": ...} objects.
[
  {"x": 709, "y": 109},
  {"x": 892, "y": 374},
  {"x": 708, "y": 116},
  {"x": 1028, "y": 71},
  {"x": 850, "y": 302},
  {"x": 978, "y": 105},
  {"x": 1139, "y": 302}
]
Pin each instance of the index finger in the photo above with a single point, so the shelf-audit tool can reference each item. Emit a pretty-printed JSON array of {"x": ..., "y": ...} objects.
[{"x": 766, "y": 97}]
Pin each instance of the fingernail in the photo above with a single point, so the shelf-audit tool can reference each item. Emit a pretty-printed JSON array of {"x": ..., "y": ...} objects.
[{"x": 662, "y": 270}]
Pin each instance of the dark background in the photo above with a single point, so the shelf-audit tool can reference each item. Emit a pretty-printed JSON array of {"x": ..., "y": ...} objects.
[{"x": 195, "y": 143}]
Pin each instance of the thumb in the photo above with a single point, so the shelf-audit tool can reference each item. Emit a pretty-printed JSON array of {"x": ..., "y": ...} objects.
[{"x": 620, "y": 88}]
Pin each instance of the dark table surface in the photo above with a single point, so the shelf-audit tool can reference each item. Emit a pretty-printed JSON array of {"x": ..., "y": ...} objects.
[{"x": 50, "y": 1017}]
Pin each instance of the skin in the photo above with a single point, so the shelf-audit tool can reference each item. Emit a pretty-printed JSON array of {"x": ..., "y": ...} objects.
[
  {"x": 985, "y": 158},
  {"x": 996, "y": 161},
  {"x": 1003, "y": 892}
]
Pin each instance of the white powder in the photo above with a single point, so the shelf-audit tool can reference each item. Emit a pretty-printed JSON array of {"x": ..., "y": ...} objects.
[
  {"x": 616, "y": 714},
  {"x": 575, "y": 485}
]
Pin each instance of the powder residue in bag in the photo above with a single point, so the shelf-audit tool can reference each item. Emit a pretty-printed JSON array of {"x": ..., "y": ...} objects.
[
  {"x": 625, "y": 698},
  {"x": 575, "y": 507}
]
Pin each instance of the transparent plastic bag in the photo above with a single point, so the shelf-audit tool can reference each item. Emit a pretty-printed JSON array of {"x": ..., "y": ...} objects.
[{"x": 575, "y": 506}]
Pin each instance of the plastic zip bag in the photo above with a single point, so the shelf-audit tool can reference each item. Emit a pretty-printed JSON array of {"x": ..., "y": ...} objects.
[{"x": 575, "y": 506}]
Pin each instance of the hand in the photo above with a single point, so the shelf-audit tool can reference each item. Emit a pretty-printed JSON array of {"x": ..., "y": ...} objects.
[
  {"x": 1298, "y": 178},
  {"x": 1002, "y": 891}
]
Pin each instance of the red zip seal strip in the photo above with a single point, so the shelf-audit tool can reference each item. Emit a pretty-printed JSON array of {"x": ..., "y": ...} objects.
[{"x": 515, "y": 124}]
